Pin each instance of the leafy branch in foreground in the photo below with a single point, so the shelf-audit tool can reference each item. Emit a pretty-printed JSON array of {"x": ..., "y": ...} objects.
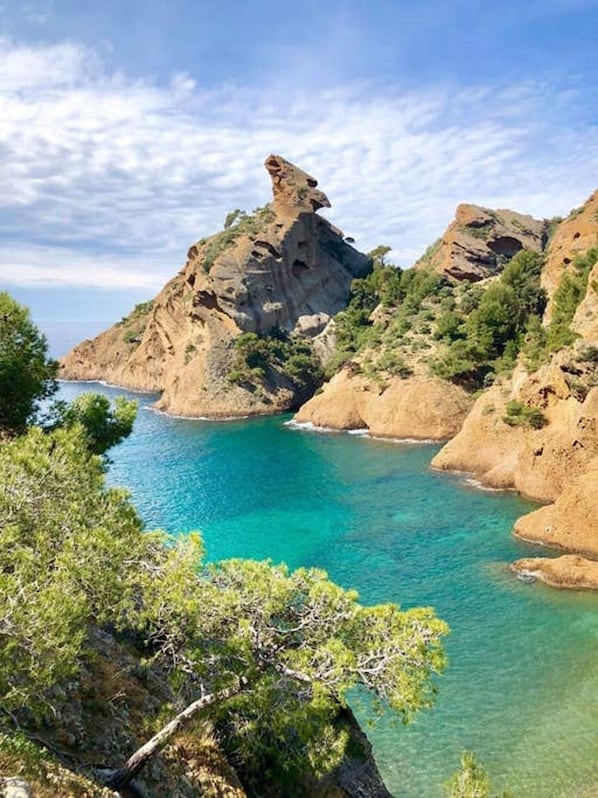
[
  {"x": 286, "y": 648},
  {"x": 471, "y": 781},
  {"x": 270, "y": 653}
]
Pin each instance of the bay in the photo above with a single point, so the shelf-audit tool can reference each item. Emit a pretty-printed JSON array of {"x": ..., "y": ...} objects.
[{"x": 521, "y": 688}]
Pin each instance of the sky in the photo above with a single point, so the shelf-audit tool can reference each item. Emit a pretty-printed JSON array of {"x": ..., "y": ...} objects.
[{"x": 129, "y": 128}]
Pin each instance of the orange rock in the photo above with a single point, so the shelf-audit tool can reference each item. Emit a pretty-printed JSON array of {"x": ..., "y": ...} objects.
[
  {"x": 573, "y": 236},
  {"x": 475, "y": 245},
  {"x": 289, "y": 270},
  {"x": 418, "y": 407},
  {"x": 570, "y": 571}
]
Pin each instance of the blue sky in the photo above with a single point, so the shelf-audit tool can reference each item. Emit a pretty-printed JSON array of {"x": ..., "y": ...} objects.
[{"x": 128, "y": 129}]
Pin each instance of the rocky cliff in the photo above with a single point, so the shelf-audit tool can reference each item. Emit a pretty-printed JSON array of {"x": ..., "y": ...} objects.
[
  {"x": 571, "y": 237},
  {"x": 419, "y": 407},
  {"x": 554, "y": 459},
  {"x": 415, "y": 403},
  {"x": 480, "y": 241},
  {"x": 276, "y": 275}
]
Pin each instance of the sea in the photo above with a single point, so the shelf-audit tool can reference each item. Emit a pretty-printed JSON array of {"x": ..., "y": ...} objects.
[{"x": 521, "y": 686}]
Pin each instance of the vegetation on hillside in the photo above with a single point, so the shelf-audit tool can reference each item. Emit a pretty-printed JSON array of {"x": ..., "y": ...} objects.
[
  {"x": 236, "y": 224},
  {"x": 398, "y": 321},
  {"x": 265, "y": 358}
]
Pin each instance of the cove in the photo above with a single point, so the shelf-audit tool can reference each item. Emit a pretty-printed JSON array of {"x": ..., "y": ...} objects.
[{"x": 521, "y": 688}]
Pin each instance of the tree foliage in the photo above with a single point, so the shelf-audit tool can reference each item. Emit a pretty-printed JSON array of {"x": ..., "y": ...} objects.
[
  {"x": 73, "y": 555},
  {"x": 27, "y": 374},
  {"x": 105, "y": 424},
  {"x": 487, "y": 332},
  {"x": 471, "y": 781}
]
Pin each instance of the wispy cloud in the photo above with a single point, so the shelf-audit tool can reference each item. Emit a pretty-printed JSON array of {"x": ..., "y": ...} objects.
[{"x": 107, "y": 180}]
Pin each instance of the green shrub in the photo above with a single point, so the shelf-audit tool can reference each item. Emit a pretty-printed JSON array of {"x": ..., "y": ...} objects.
[
  {"x": 393, "y": 363},
  {"x": 27, "y": 374},
  {"x": 236, "y": 224},
  {"x": 518, "y": 414},
  {"x": 258, "y": 355},
  {"x": 450, "y": 326},
  {"x": 567, "y": 297}
]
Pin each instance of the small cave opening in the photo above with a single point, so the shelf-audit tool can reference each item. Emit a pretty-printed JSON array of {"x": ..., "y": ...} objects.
[
  {"x": 299, "y": 267},
  {"x": 505, "y": 245}
]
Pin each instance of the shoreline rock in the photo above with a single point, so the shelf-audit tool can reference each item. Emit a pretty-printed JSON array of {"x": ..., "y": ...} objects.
[
  {"x": 417, "y": 407},
  {"x": 568, "y": 572}
]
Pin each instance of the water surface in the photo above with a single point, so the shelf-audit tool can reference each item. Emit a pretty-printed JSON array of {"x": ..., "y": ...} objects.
[{"x": 521, "y": 689}]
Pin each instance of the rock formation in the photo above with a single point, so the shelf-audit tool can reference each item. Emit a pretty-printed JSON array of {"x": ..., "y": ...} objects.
[
  {"x": 418, "y": 407},
  {"x": 573, "y": 236},
  {"x": 551, "y": 460},
  {"x": 282, "y": 270},
  {"x": 556, "y": 463},
  {"x": 480, "y": 241},
  {"x": 569, "y": 571}
]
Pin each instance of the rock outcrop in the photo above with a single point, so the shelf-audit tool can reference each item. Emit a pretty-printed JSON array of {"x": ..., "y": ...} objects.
[
  {"x": 571, "y": 522},
  {"x": 555, "y": 463},
  {"x": 480, "y": 240},
  {"x": 284, "y": 270},
  {"x": 572, "y": 237},
  {"x": 539, "y": 463},
  {"x": 570, "y": 571},
  {"x": 418, "y": 407}
]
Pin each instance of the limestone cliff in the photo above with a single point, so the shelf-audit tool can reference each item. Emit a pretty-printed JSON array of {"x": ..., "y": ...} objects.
[
  {"x": 573, "y": 236},
  {"x": 282, "y": 270},
  {"x": 419, "y": 407},
  {"x": 535, "y": 429},
  {"x": 480, "y": 240},
  {"x": 474, "y": 248}
]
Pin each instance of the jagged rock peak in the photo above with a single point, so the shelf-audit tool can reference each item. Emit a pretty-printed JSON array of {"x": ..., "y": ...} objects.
[{"x": 294, "y": 190}]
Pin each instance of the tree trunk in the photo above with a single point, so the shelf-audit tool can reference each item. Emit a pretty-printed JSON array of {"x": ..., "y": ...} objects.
[{"x": 118, "y": 779}]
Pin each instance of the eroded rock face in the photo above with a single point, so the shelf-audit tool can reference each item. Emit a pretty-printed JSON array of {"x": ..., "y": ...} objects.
[
  {"x": 480, "y": 241},
  {"x": 539, "y": 463},
  {"x": 294, "y": 190},
  {"x": 284, "y": 269},
  {"x": 571, "y": 523},
  {"x": 573, "y": 236},
  {"x": 419, "y": 407}
]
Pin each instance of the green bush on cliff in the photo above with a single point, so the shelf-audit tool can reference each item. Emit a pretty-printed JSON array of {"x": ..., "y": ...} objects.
[
  {"x": 567, "y": 297},
  {"x": 236, "y": 224},
  {"x": 400, "y": 294},
  {"x": 259, "y": 356},
  {"x": 519, "y": 414},
  {"x": 487, "y": 331}
]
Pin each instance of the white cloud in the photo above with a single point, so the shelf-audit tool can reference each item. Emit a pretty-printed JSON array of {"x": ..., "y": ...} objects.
[
  {"x": 37, "y": 267},
  {"x": 101, "y": 175}
]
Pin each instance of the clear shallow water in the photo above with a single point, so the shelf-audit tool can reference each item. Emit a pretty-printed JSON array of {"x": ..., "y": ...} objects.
[{"x": 521, "y": 689}]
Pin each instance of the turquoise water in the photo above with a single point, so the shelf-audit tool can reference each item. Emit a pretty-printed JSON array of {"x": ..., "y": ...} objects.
[{"x": 521, "y": 689}]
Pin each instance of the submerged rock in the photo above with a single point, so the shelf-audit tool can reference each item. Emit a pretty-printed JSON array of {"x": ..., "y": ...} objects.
[{"x": 571, "y": 571}]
